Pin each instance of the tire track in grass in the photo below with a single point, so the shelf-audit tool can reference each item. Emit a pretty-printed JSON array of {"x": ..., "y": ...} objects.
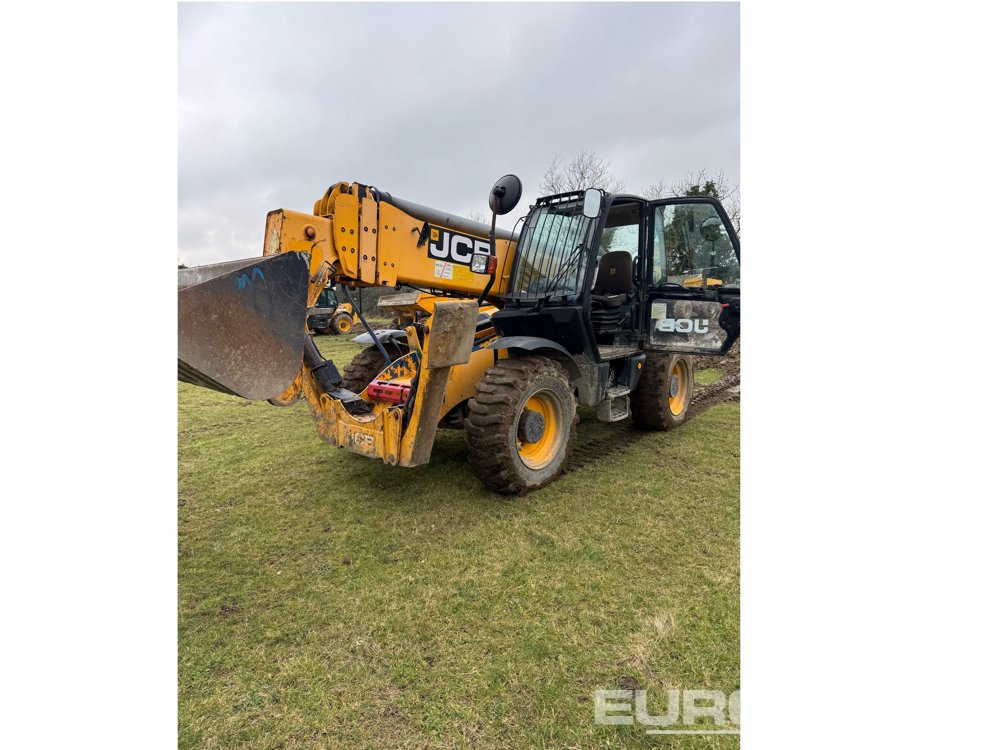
[
  {"x": 606, "y": 440},
  {"x": 724, "y": 389}
]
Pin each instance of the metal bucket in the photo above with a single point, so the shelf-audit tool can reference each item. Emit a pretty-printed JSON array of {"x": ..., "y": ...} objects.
[{"x": 240, "y": 324}]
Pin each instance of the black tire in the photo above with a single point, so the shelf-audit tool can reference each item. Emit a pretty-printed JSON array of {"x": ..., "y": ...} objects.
[
  {"x": 367, "y": 364},
  {"x": 502, "y": 456},
  {"x": 653, "y": 407},
  {"x": 342, "y": 324}
]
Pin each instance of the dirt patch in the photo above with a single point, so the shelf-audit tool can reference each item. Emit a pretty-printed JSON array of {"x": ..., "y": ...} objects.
[{"x": 729, "y": 364}]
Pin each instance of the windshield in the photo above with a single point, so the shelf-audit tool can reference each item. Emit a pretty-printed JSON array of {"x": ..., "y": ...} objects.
[{"x": 551, "y": 256}]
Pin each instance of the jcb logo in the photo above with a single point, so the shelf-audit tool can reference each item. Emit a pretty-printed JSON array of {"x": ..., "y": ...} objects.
[
  {"x": 455, "y": 248},
  {"x": 682, "y": 325}
]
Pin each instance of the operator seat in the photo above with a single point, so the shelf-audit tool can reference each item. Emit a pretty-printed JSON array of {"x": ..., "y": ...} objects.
[{"x": 611, "y": 290}]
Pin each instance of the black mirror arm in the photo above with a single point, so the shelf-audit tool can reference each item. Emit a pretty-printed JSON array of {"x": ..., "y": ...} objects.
[{"x": 493, "y": 248}]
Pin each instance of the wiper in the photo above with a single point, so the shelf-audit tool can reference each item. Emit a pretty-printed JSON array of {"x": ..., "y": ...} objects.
[{"x": 553, "y": 283}]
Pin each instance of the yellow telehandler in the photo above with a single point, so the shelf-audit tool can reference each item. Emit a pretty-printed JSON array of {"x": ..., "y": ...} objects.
[
  {"x": 592, "y": 302},
  {"x": 329, "y": 315}
]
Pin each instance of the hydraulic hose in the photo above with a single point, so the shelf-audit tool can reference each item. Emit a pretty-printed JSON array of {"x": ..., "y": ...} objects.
[{"x": 325, "y": 371}]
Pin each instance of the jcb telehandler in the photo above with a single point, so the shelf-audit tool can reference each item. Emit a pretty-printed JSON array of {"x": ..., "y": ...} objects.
[
  {"x": 598, "y": 300},
  {"x": 330, "y": 315}
]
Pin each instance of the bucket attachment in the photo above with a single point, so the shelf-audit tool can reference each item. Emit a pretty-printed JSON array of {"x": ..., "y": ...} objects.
[{"x": 240, "y": 324}]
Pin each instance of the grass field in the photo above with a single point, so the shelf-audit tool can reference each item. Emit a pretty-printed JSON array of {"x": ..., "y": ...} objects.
[{"x": 326, "y": 600}]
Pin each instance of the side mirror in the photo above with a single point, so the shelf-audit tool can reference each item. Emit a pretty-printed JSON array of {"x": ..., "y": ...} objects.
[
  {"x": 592, "y": 203},
  {"x": 711, "y": 229},
  {"x": 505, "y": 194}
]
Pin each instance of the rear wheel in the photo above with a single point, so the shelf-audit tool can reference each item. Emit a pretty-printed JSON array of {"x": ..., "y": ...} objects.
[
  {"x": 662, "y": 398},
  {"x": 343, "y": 323},
  {"x": 367, "y": 364},
  {"x": 521, "y": 424}
]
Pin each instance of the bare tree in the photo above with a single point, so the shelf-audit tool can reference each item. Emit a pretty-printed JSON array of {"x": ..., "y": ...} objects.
[
  {"x": 654, "y": 190},
  {"x": 584, "y": 171},
  {"x": 732, "y": 205},
  {"x": 587, "y": 170},
  {"x": 478, "y": 216}
]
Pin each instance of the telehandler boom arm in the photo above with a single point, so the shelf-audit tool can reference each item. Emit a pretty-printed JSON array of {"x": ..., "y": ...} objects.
[{"x": 366, "y": 238}]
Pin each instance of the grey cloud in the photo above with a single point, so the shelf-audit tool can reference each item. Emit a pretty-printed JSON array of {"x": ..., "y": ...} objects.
[{"x": 432, "y": 102}]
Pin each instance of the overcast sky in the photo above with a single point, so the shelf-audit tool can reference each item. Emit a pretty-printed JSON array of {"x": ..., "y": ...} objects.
[{"x": 433, "y": 102}]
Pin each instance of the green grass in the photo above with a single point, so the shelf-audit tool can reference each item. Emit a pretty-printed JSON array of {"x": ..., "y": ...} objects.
[
  {"x": 707, "y": 376},
  {"x": 327, "y": 600}
]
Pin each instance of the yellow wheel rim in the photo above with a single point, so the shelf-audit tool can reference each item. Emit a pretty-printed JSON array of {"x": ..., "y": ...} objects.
[
  {"x": 678, "y": 385},
  {"x": 344, "y": 325},
  {"x": 539, "y": 454}
]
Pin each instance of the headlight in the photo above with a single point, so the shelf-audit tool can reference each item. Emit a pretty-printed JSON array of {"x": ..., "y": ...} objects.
[{"x": 484, "y": 263}]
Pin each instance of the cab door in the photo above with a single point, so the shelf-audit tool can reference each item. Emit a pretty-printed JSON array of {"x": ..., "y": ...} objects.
[{"x": 692, "y": 277}]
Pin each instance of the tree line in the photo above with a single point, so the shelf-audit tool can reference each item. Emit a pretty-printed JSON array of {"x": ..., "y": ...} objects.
[{"x": 586, "y": 170}]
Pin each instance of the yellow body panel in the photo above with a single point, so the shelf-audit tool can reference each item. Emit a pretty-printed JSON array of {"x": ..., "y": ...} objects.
[
  {"x": 369, "y": 239},
  {"x": 376, "y": 435},
  {"x": 462, "y": 379},
  {"x": 345, "y": 234}
]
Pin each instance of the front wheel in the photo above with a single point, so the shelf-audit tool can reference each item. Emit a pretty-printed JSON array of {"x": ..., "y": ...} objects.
[
  {"x": 662, "y": 398},
  {"x": 521, "y": 424},
  {"x": 367, "y": 364},
  {"x": 343, "y": 323}
]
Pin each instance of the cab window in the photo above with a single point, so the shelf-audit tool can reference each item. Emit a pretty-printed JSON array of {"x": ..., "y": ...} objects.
[
  {"x": 621, "y": 231},
  {"x": 691, "y": 247}
]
